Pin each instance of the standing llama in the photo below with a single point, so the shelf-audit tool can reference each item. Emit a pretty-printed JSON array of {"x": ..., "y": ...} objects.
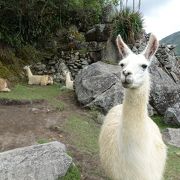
[
  {"x": 131, "y": 146},
  {"x": 69, "y": 83},
  {"x": 38, "y": 79}
]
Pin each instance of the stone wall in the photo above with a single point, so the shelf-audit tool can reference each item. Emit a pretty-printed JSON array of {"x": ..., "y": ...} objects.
[
  {"x": 104, "y": 49},
  {"x": 72, "y": 61}
]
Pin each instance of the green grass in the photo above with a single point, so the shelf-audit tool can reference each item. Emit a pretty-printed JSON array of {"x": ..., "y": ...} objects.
[
  {"x": 159, "y": 121},
  {"x": 20, "y": 92},
  {"x": 173, "y": 162},
  {"x": 84, "y": 133},
  {"x": 73, "y": 173},
  {"x": 42, "y": 141},
  {"x": 26, "y": 92}
]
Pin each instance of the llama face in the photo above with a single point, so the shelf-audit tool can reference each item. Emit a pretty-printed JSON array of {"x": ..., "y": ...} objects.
[
  {"x": 134, "y": 72},
  {"x": 135, "y": 67}
]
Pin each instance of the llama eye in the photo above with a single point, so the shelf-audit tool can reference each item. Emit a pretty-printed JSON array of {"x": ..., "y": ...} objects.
[
  {"x": 144, "y": 66},
  {"x": 122, "y": 65}
]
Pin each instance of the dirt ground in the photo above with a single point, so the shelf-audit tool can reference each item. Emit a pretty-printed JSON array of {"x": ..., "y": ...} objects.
[{"x": 29, "y": 123}]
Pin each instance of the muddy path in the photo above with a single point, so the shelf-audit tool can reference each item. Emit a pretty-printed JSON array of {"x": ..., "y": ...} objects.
[{"x": 24, "y": 124}]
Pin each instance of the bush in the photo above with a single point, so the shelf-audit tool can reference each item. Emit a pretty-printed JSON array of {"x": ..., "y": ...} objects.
[
  {"x": 129, "y": 25},
  {"x": 29, "y": 54}
]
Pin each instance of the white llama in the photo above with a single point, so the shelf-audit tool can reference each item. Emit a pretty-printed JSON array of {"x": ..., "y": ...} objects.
[
  {"x": 131, "y": 146},
  {"x": 69, "y": 83},
  {"x": 38, "y": 79},
  {"x": 4, "y": 86}
]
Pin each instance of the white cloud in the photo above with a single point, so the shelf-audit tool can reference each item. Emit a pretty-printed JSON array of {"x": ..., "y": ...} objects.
[{"x": 163, "y": 20}]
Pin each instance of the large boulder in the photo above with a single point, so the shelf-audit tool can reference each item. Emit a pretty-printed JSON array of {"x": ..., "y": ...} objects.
[
  {"x": 46, "y": 161},
  {"x": 172, "y": 136},
  {"x": 172, "y": 115},
  {"x": 99, "y": 85}
]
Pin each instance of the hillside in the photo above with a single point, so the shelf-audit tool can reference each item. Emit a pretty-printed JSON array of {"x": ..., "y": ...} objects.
[{"x": 173, "y": 39}]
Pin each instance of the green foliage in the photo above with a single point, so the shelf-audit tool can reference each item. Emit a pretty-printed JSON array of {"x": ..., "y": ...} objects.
[
  {"x": 11, "y": 66},
  {"x": 29, "y": 54},
  {"x": 29, "y": 21},
  {"x": 128, "y": 24},
  {"x": 73, "y": 32},
  {"x": 4, "y": 72}
]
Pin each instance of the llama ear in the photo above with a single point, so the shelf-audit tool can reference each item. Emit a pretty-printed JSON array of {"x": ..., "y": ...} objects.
[
  {"x": 122, "y": 47},
  {"x": 151, "y": 47}
]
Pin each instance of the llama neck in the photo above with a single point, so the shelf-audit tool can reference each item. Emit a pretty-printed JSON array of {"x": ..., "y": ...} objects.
[
  {"x": 29, "y": 73},
  {"x": 135, "y": 102}
]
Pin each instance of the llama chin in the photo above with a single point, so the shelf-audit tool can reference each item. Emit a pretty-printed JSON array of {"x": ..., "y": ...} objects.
[{"x": 131, "y": 145}]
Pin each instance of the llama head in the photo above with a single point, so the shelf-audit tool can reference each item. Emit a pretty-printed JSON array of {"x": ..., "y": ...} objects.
[
  {"x": 50, "y": 79},
  {"x": 67, "y": 73},
  {"x": 135, "y": 67},
  {"x": 26, "y": 67}
]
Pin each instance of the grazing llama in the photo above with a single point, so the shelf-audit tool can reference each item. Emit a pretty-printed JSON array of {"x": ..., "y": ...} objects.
[
  {"x": 68, "y": 81},
  {"x": 38, "y": 79},
  {"x": 3, "y": 85},
  {"x": 131, "y": 146}
]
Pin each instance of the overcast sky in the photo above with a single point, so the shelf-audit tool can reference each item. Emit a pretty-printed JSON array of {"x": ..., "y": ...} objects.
[{"x": 162, "y": 17}]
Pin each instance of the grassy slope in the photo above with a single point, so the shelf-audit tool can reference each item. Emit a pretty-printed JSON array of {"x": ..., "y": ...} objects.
[{"x": 84, "y": 131}]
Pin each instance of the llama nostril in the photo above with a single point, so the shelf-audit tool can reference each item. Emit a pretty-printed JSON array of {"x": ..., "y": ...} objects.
[{"x": 126, "y": 73}]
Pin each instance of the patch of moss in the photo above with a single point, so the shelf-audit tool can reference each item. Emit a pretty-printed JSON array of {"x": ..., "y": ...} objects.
[{"x": 73, "y": 173}]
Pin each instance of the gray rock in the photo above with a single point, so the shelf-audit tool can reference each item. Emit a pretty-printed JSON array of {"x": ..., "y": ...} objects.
[
  {"x": 110, "y": 53},
  {"x": 172, "y": 115},
  {"x": 52, "y": 62},
  {"x": 39, "y": 67},
  {"x": 172, "y": 136},
  {"x": 39, "y": 162},
  {"x": 99, "y": 85},
  {"x": 100, "y": 33},
  {"x": 164, "y": 91},
  {"x": 109, "y": 13}
]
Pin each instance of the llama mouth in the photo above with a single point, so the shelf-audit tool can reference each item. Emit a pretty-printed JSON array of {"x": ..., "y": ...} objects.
[{"x": 126, "y": 84}]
